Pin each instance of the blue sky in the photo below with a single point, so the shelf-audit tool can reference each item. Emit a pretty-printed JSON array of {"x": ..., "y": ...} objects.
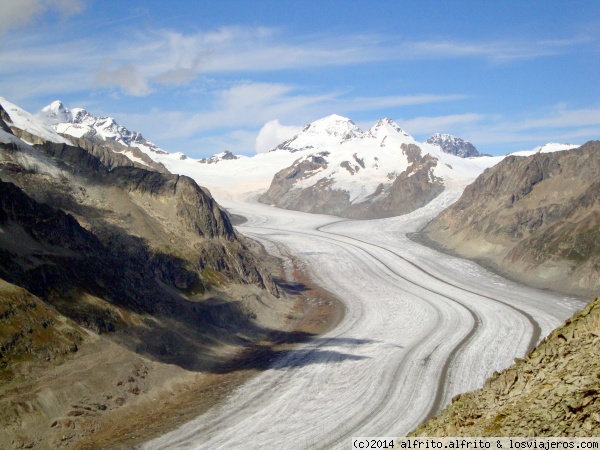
[{"x": 203, "y": 76}]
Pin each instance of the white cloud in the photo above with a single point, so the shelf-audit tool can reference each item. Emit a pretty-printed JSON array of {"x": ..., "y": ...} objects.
[
  {"x": 18, "y": 13},
  {"x": 253, "y": 106},
  {"x": 272, "y": 134},
  {"x": 126, "y": 77}
]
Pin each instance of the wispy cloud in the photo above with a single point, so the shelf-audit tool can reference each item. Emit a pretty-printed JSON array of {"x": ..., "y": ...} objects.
[
  {"x": 126, "y": 77},
  {"x": 430, "y": 125},
  {"x": 18, "y": 13},
  {"x": 141, "y": 61},
  {"x": 502, "y": 51}
]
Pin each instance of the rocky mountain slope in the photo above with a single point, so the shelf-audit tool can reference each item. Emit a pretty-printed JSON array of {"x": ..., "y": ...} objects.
[
  {"x": 554, "y": 391},
  {"x": 383, "y": 172},
  {"x": 534, "y": 218},
  {"x": 453, "y": 145},
  {"x": 101, "y": 259}
]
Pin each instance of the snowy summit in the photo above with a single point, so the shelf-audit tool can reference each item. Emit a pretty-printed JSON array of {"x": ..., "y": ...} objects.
[{"x": 453, "y": 145}]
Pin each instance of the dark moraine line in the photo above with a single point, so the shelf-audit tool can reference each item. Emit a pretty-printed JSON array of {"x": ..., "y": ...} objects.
[
  {"x": 537, "y": 331},
  {"x": 436, "y": 404}
]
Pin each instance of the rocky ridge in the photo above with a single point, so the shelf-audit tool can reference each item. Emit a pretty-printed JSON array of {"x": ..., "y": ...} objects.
[
  {"x": 225, "y": 156},
  {"x": 154, "y": 226},
  {"x": 101, "y": 260},
  {"x": 534, "y": 218},
  {"x": 453, "y": 145},
  {"x": 554, "y": 391}
]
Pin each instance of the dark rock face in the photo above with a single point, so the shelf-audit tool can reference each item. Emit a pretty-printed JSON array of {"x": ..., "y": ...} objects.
[
  {"x": 454, "y": 145},
  {"x": 412, "y": 189},
  {"x": 552, "y": 392},
  {"x": 282, "y": 194},
  {"x": 52, "y": 236},
  {"x": 148, "y": 239},
  {"x": 4, "y": 117},
  {"x": 194, "y": 206},
  {"x": 537, "y": 216}
]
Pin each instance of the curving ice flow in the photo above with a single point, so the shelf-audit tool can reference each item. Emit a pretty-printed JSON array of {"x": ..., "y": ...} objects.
[{"x": 419, "y": 328}]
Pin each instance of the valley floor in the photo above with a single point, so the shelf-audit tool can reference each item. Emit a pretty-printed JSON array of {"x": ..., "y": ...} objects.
[
  {"x": 182, "y": 395},
  {"x": 420, "y": 327}
]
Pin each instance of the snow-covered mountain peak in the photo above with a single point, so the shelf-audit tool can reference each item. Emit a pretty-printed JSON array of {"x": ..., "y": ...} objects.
[
  {"x": 385, "y": 127},
  {"x": 34, "y": 125},
  {"x": 80, "y": 115},
  {"x": 453, "y": 145},
  {"x": 80, "y": 123},
  {"x": 56, "y": 112},
  {"x": 333, "y": 125},
  {"x": 328, "y": 131}
]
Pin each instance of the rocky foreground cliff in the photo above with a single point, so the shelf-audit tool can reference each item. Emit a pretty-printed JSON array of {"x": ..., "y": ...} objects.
[
  {"x": 553, "y": 391},
  {"x": 536, "y": 219}
]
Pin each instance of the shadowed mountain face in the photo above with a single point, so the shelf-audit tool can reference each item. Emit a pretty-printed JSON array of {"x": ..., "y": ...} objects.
[
  {"x": 554, "y": 391},
  {"x": 109, "y": 244},
  {"x": 535, "y": 218}
]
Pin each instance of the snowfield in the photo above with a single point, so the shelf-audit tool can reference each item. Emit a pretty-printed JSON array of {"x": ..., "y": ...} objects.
[{"x": 420, "y": 327}]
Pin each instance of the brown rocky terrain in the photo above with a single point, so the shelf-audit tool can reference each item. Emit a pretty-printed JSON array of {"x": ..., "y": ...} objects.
[
  {"x": 553, "y": 391},
  {"x": 413, "y": 188},
  {"x": 535, "y": 219},
  {"x": 118, "y": 284}
]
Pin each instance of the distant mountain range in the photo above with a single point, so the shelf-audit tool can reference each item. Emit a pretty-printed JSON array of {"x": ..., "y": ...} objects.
[
  {"x": 81, "y": 124},
  {"x": 331, "y": 166}
]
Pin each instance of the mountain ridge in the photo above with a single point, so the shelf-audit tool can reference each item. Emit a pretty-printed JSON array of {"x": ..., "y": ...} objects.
[
  {"x": 139, "y": 269},
  {"x": 527, "y": 218},
  {"x": 453, "y": 145}
]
